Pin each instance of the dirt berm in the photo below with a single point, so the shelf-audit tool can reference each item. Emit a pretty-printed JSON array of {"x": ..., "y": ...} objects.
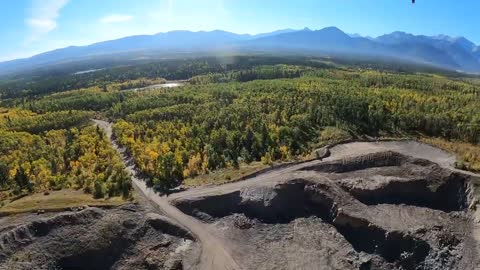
[
  {"x": 383, "y": 210},
  {"x": 122, "y": 238}
]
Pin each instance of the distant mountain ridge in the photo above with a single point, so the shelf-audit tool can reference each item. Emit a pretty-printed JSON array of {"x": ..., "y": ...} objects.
[{"x": 442, "y": 51}]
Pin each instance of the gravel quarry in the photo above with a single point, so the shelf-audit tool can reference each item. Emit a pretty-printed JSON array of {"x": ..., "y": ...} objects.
[
  {"x": 367, "y": 205},
  {"x": 382, "y": 210}
]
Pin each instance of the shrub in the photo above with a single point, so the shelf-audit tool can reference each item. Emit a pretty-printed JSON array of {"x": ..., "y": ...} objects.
[
  {"x": 333, "y": 135},
  {"x": 98, "y": 190}
]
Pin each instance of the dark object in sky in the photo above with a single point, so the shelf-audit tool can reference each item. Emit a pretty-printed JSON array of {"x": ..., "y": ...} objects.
[{"x": 413, "y": 1}]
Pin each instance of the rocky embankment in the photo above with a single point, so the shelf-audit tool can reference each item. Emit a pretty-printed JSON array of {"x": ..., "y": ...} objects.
[
  {"x": 379, "y": 211},
  {"x": 126, "y": 237}
]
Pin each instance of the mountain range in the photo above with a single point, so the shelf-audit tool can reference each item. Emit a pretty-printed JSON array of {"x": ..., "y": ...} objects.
[{"x": 458, "y": 53}]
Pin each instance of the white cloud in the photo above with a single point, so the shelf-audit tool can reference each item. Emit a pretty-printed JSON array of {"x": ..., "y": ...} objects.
[
  {"x": 116, "y": 18},
  {"x": 43, "y": 17}
]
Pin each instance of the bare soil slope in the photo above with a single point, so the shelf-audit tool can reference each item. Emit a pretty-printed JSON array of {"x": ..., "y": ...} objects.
[{"x": 123, "y": 238}]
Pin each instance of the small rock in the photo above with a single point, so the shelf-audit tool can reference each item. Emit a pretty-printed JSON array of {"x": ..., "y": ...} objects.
[
  {"x": 288, "y": 237},
  {"x": 203, "y": 216},
  {"x": 322, "y": 153},
  {"x": 40, "y": 211},
  {"x": 365, "y": 261},
  {"x": 421, "y": 230},
  {"x": 153, "y": 262},
  {"x": 473, "y": 205},
  {"x": 164, "y": 243},
  {"x": 174, "y": 263},
  {"x": 242, "y": 222},
  {"x": 129, "y": 223}
]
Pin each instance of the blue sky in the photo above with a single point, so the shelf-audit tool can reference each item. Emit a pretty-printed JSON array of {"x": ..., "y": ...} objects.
[{"x": 28, "y": 27}]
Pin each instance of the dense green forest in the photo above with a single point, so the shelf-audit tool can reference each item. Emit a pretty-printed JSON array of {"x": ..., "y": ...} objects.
[
  {"x": 226, "y": 116},
  {"x": 201, "y": 128},
  {"x": 51, "y": 81},
  {"x": 72, "y": 76}
]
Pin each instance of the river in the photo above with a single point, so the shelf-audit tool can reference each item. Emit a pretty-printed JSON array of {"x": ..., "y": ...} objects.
[{"x": 168, "y": 84}]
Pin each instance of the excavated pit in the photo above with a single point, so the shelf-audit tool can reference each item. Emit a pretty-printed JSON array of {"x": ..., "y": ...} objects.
[
  {"x": 338, "y": 194},
  {"x": 303, "y": 199},
  {"x": 94, "y": 239},
  {"x": 281, "y": 204},
  {"x": 418, "y": 182},
  {"x": 449, "y": 196},
  {"x": 95, "y": 258},
  {"x": 394, "y": 246}
]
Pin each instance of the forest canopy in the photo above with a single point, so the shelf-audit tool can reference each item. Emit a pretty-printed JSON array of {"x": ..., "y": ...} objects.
[
  {"x": 223, "y": 117},
  {"x": 55, "y": 151}
]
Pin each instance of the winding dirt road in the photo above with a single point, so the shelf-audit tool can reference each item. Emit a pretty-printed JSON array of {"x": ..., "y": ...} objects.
[
  {"x": 215, "y": 254},
  {"x": 342, "y": 151}
]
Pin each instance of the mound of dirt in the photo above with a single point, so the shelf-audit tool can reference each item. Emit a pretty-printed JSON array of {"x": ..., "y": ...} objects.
[
  {"x": 123, "y": 238},
  {"x": 383, "y": 210}
]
